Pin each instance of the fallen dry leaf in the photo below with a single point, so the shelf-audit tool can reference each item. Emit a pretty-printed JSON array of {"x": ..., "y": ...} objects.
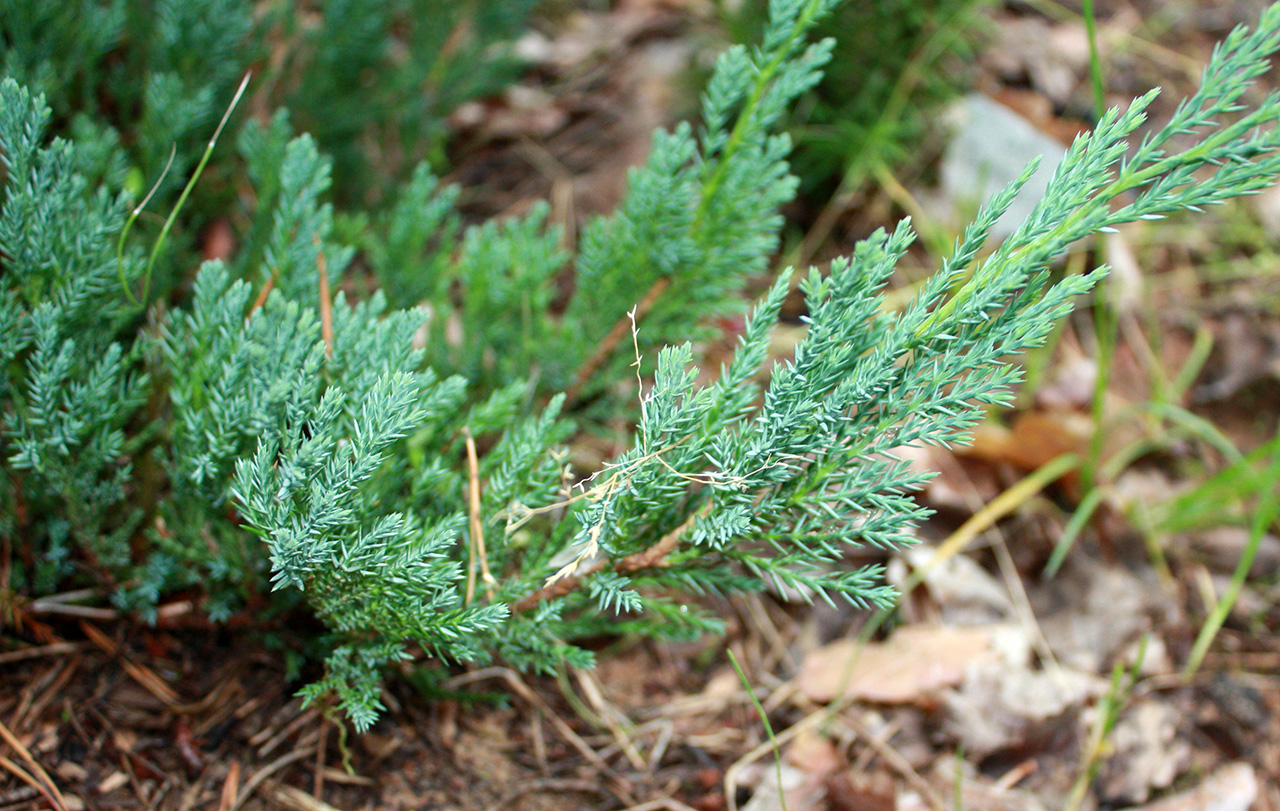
[
  {"x": 813, "y": 752},
  {"x": 1003, "y": 707},
  {"x": 970, "y": 790},
  {"x": 802, "y": 791},
  {"x": 1233, "y": 787},
  {"x": 1090, "y": 611},
  {"x": 910, "y": 665},
  {"x": 965, "y": 592},
  {"x": 1035, "y": 438},
  {"x": 1147, "y": 753}
]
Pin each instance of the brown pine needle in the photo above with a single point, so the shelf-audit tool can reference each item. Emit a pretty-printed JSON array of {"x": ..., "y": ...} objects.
[
  {"x": 326, "y": 304},
  {"x": 478, "y": 551},
  {"x": 144, "y": 676},
  {"x": 230, "y": 787},
  {"x": 22, "y": 775},
  {"x": 255, "y": 780},
  {"x": 43, "y": 783},
  {"x": 615, "y": 336},
  {"x": 263, "y": 293}
]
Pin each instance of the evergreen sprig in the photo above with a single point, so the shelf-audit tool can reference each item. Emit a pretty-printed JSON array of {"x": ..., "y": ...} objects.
[
  {"x": 714, "y": 487},
  {"x": 403, "y": 471},
  {"x": 68, "y": 389}
]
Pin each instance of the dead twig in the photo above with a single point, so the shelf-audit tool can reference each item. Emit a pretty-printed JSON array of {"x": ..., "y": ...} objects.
[
  {"x": 559, "y": 588},
  {"x": 263, "y": 293},
  {"x": 667, "y": 803},
  {"x": 611, "y": 341},
  {"x": 56, "y": 649},
  {"x": 126, "y": 766},
  {"x": 652, "y": 558},
  {"x": 18, "y": 796},
  {"x": 656, "y": 556},
  {"x": 33, "y": 708},
  {"x": 608, "y": 715},
  {"x": 142, "y": 674},
  {"x": 195, "y": 790},
  {"x": 69, "y": 610},
  {"x": 894, "y": 759},
  {"x": 64, "y": 604},
  {"x": 296, "y": 799},
  {"x": 336, "y": 775},
  {"x": 317, "y": 785},
  {"x": 286, "y": 732},
  {"x": 251, "y": 785},
  {"x": 22, "y": 775}
]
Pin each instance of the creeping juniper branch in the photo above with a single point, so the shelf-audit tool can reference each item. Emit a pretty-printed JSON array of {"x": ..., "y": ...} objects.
[{"x": 363, "y": 460}]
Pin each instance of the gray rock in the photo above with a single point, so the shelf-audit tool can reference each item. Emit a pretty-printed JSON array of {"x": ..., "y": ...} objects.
[{"x": 991, "y": 146}]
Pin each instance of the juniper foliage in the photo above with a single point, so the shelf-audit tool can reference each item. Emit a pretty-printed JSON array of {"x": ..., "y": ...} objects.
[
  {"x": 896, "y": 64},
  {"x": 139, "y": 85},
  {"x": 68, "y": 390},
  {"x": 403, "y": 471}
]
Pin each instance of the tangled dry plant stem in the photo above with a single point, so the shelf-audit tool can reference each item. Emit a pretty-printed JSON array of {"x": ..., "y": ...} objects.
[
  {"x": 652, "y": 558},
  {"x": 611, "y": 341}
]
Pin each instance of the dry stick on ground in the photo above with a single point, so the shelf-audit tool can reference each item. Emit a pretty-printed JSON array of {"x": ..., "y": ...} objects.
[
  {"x": 64, "y": 605},
  {"x": 652, "y": 558},
  {"x": 894, "y": 759},
  {"x": 17, "y": 795},
  {"x": 289, "y": 713},
  {"x": 139, "y": 791},
  {"x": 607, "y": 716},
  {"x": 37, "y": 785},
  {"x": 1014, "y": 776},
  {"x": 287, "y": 732},
  {"x": 271, "y": 768},
  {"x": 539, "y": 743},
  {"x": 663, "y": 804},
  {"x": 620, "y": 330},
  {"x": 196, "y": 788},
  {"x": 55, "y": 649},
  {"x": 767, "y": 747},
  {"x": 33, "y": 707},
  {"x": 143, "y": 675},
  {"x": 294, "y": 799}
]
